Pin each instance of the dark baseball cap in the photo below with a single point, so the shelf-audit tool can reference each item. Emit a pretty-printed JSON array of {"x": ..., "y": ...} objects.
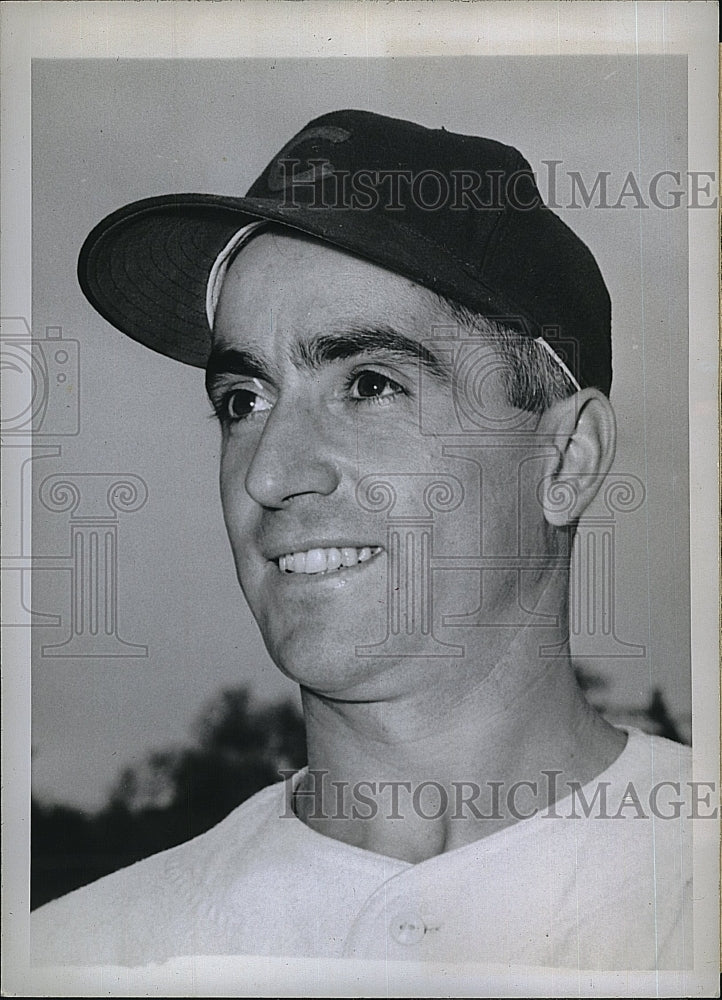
[{"x": 460, "y": 215}]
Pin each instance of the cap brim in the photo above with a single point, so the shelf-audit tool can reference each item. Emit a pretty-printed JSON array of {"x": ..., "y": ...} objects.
[{"x": 145, "y": 268}]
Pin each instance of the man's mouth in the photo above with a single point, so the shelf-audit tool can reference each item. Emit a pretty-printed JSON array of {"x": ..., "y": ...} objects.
[{"x": 329, "y": 560}]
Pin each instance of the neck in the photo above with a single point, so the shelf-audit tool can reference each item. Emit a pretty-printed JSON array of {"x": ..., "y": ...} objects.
[{"x": 476, "y": 728}]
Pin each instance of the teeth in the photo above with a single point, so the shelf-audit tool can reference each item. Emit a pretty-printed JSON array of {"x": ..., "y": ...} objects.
[
  {"x": 315, "y": 561},
  {"x": 325, "y": 560}
]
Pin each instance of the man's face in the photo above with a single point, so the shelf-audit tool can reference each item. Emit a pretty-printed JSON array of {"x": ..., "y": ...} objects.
[{"x": 317, "y": 372}]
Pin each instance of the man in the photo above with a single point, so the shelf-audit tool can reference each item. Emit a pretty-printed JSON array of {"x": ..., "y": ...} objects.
[{"x": 410, "y": 359}]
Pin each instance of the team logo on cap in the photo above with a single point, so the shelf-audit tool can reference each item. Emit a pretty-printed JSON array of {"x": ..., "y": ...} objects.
[{"x": 280, "y": 177}]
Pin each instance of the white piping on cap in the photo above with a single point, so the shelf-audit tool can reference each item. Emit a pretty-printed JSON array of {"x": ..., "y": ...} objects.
[
  {"x": 552, "y": 353},
  {"x": 221, "y": 265}
]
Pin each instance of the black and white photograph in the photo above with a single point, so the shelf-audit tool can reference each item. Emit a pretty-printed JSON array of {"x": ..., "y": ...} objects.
[{"x": 360, "y": 512}]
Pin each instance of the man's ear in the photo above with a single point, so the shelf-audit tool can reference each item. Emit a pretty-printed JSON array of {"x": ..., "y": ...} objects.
[{"x": 584, "y": 432}]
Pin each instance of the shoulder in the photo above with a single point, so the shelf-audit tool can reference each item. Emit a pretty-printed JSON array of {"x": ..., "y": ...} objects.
[
  {"x": 152, "y": 909},
  {"x": 651, "y": 779},
  {"x": 656, "y": 756},
  {"x": 631, "y": 825},
  {"x": 631, "y": 841},
  {"x": 655, "y": 772}
]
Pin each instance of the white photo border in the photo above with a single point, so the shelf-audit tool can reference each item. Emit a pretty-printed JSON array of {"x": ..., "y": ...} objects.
[{"x": 171, "y": 29}]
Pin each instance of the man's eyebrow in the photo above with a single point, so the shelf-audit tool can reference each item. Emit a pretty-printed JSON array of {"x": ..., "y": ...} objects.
[
  {"x": 345, "y": 344},
  {"x": 323, "y": 349},
  {"x": 232, "y": 361}
]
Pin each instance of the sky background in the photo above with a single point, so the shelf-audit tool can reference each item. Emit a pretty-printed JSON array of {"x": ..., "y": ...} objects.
[{"x": 108, "y": 132}]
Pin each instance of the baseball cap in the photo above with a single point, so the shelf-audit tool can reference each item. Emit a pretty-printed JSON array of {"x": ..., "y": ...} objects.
[{"x": 460, "y": 215}]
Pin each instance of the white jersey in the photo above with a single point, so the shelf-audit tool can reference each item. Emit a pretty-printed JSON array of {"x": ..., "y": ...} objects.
[{"x": 586, "y": 893}]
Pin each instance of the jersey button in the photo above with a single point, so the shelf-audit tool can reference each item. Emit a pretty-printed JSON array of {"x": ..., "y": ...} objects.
[{"x": 407, "y": 928}]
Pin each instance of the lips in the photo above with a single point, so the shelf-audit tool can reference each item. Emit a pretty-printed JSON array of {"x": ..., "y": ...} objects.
[{"x": 326, "y": 560}]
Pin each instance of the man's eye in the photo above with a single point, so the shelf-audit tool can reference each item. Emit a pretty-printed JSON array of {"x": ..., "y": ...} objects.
[
  {"x": 242, "y": 403},
  {"x": 373, "y": 385}
]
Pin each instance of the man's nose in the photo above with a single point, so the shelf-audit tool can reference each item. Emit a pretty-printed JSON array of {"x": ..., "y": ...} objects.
[{"x": 293, "y": 457}]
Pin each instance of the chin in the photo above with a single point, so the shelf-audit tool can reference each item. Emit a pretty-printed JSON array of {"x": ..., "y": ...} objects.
[
  {"x": 333, "y": 669},
  {"x": 318, "y": 663}
]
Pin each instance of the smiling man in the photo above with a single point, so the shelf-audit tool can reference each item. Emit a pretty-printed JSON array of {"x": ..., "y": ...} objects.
[{"x": 409, "y": 357}]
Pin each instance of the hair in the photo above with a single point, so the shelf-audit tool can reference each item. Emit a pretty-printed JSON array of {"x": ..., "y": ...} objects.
[{"x": 532, "y": 379}]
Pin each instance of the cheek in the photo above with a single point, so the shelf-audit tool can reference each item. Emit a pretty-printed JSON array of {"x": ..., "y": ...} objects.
[
  {"x": 235, "y": 500},
  {"x": 395, "y": 445}
]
